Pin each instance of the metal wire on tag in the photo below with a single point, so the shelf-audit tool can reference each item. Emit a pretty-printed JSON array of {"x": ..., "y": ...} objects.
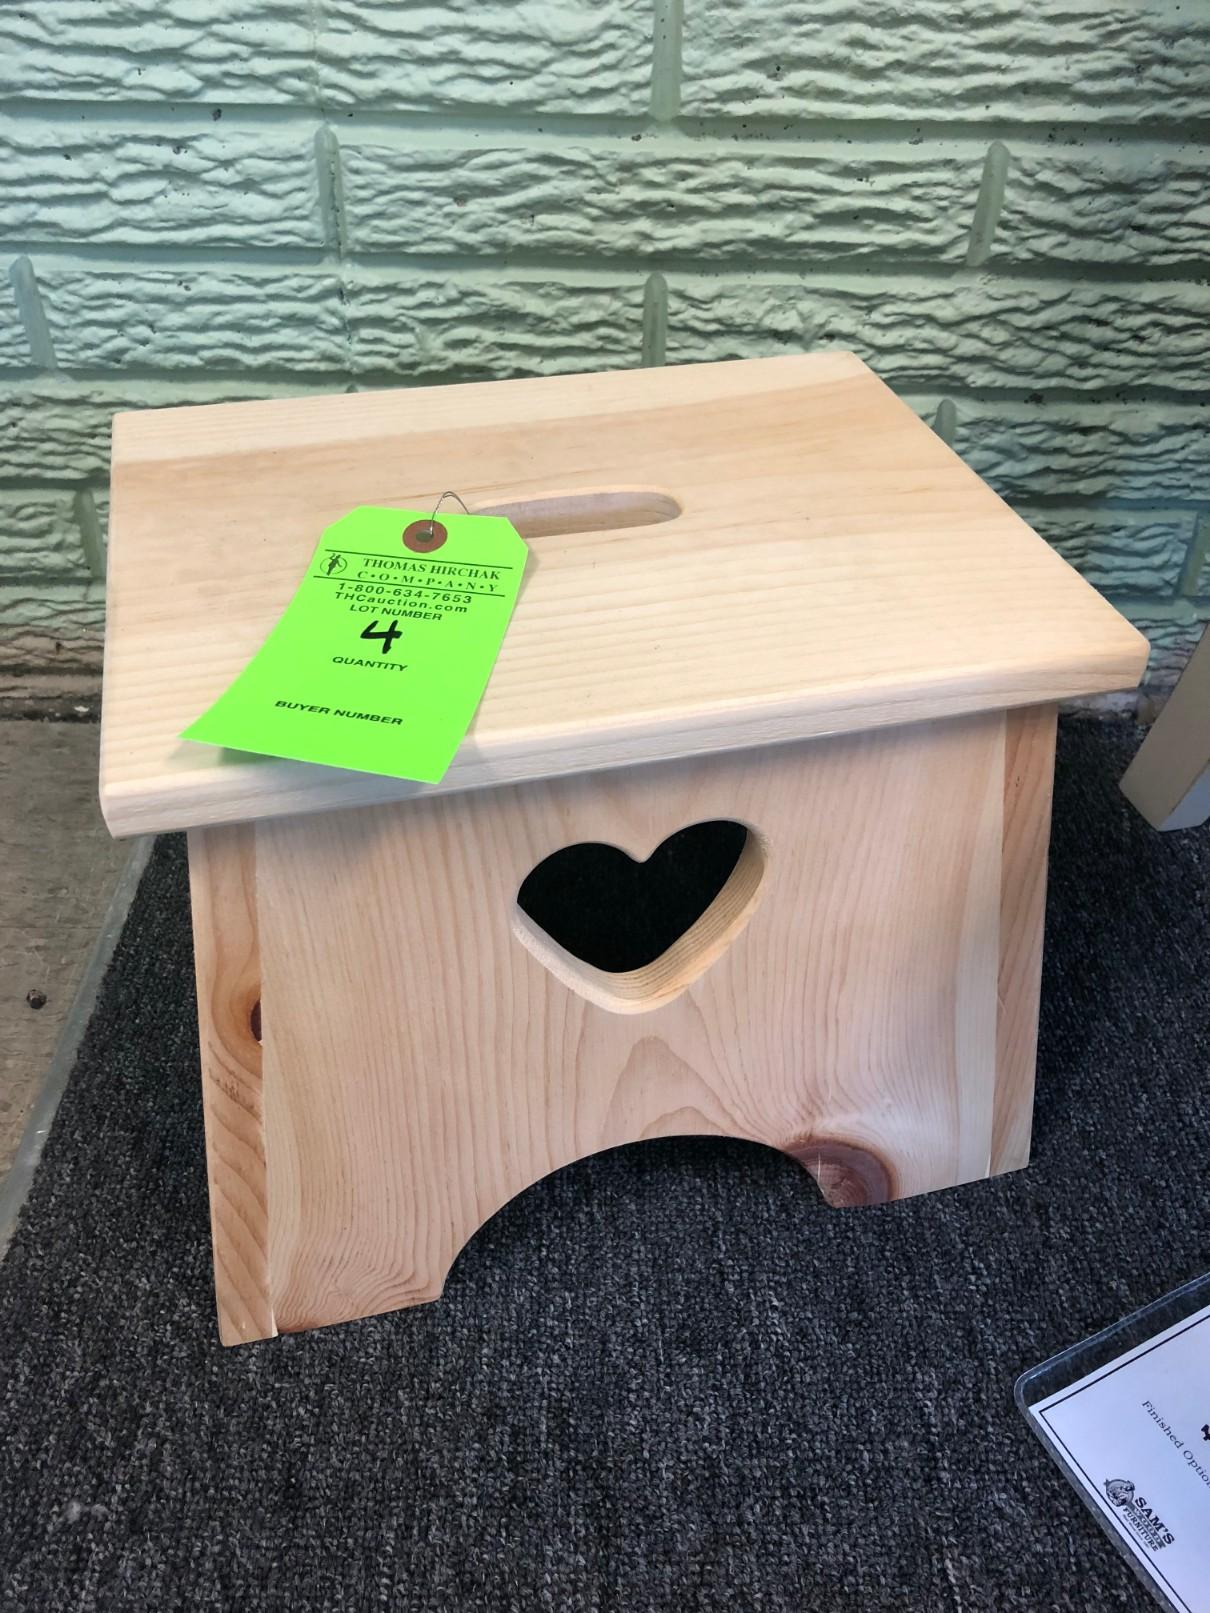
[
  {"x": 449, "y": 493},
  {"x": 422, "y": 536}
]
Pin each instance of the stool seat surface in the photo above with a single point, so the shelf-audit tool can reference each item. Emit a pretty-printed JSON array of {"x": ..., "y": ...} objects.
[{"x": 721, "y": 556}]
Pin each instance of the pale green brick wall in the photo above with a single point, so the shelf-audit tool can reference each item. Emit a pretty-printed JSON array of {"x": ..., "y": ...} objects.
[{"x": 1004, "y": 205}]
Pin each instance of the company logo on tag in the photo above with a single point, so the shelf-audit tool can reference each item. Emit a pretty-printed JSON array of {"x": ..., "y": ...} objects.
[{"x": 1146, "y": 1523}]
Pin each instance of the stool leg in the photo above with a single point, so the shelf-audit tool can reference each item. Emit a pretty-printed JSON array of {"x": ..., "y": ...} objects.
[
  {"x": 222, "y": 879},
  {"x": 1029, "y": 758}
]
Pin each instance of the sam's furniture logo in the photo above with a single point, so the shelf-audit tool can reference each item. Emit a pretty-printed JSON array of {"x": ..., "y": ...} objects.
[{"x": 1144, "y": 1520}]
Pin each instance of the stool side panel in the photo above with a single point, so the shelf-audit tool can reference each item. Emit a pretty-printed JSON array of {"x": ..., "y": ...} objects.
[
  {"x": 422, "y": 1066},
  {"x": 222, "y": 878},
  {"x": 1028, "y": 787}
]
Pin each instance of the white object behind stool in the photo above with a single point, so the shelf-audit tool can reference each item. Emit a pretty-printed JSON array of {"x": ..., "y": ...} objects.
[{"x": 1169, "y": 779}]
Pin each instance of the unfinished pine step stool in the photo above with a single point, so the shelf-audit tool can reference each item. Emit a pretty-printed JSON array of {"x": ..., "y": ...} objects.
[{"x": 761, "y": 592}]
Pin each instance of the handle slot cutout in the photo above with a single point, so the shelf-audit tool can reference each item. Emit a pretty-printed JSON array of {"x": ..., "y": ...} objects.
[{"x": 560, "y": 514}]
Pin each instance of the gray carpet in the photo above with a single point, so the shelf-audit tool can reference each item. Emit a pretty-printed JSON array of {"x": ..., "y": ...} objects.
[{"x": 666, "y": 1379}]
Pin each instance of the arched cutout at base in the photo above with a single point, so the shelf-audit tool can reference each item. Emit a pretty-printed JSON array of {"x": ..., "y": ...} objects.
[{"x": 847, "y": 1176}]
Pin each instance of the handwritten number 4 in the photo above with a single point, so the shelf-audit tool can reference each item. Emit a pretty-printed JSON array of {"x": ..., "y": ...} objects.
[
  {"x": 388, "y": 635},
  {"x": 1206, "y": 1430}
]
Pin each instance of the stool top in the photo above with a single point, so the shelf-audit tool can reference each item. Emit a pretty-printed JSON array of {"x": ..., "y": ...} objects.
[{"x": 721, "y": 556}]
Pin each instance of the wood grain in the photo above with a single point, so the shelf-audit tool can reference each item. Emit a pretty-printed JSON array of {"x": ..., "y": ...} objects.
[
  {"x": 1029, "y": 755},
  {"x": 422, "y": 1065},
  {"x": 833, "y": 567},
  {"x": 222, "y": 877}
]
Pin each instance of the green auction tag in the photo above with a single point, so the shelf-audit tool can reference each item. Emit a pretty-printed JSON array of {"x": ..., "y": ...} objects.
[{"x": 381, "y": 658}]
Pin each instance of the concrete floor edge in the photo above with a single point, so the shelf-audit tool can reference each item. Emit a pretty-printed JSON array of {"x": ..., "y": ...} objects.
[{"x": 15, "y": 1186}]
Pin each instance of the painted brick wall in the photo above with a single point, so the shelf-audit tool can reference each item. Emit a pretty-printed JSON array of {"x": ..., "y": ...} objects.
[{"x": 1004, "y": 205}]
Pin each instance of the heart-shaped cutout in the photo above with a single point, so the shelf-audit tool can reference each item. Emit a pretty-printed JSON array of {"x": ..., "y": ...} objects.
[{"x": 632, "y": 935}]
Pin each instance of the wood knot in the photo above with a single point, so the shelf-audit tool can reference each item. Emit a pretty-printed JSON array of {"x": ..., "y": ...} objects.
[{"x": 846, "y": 1174}]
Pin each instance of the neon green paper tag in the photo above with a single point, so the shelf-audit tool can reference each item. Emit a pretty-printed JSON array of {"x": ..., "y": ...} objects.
[{"x": 381, "y": 658}]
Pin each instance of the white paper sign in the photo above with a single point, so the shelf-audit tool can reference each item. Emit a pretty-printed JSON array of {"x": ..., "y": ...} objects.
[{"x": 1136, "y": 1437}]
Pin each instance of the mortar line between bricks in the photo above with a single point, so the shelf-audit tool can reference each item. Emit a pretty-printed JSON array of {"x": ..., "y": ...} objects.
[
  {"x": 129, "y": 387},
  {"x": 34, "y": 485},
  {"x": 1161, "y": 608},
  {"x": 988, "y": 205},
  {"x": 1047, "y": 133},
  {"x": 794, "y": 269},
  {"x": 25, "y": 578},
  {"x": 921, "y": 392},
  {"x": 1197, "y": 558},
  {"x": 756, "y": 127},
  {"x": 666, "y": 65},
  {"x": 92, "y": 544},
  {"x": 1039, "y": 395},
  {"x": 121, "y": 255},
  {"x": 32, "y": 314},
  {"x": 1035, "y": 397},
  {"x": 924, "y": 399},
  {"x": 1117, "y": 505},
  {"x": 1078, "y": 503},
  {"x": 329, "y": 180},
  {"x": 655, "y": 321},
  {"x": 314, "y": 15}
]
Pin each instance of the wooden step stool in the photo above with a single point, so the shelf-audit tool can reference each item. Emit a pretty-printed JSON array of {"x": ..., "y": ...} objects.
[{"x": 762, "y": 592}]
